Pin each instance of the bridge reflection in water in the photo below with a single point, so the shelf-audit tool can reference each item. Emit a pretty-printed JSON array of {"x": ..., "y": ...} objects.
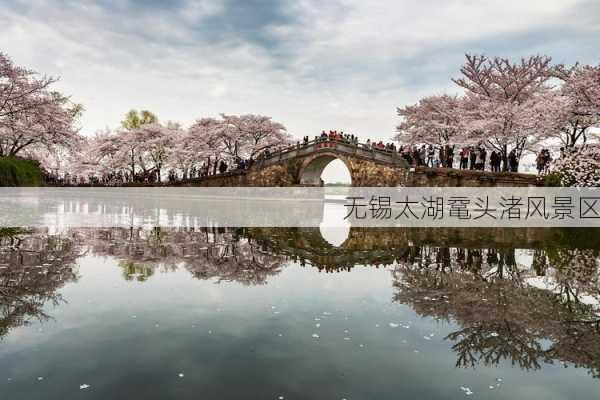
[{"x": 529, "y": 296}]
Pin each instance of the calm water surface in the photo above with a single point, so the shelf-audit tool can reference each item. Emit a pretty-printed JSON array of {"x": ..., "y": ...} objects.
[{"x": 284, "y": 314}]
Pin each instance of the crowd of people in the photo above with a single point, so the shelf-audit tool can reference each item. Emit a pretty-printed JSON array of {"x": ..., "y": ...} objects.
[
  {"x": 446, "y": 156},
  {"x": 208, "y": 168},
  {"x": 468, "y": 157}
]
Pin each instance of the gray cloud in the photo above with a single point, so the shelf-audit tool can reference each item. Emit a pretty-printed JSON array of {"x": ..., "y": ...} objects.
[{"x": 310, "y": 64}]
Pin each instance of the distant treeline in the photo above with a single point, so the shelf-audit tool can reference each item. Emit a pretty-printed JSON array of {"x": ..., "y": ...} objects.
[{"x": 16, "y": 171}]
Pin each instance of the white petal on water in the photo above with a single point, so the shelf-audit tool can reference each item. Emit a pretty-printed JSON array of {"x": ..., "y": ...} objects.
[
  {"x": 318, "y": 325},
  {"x": 280, "y": 398},
  {"x": 280, "y": 334},
  {"x": 491, "y": 387},
  {"x": 346, "y": 338},
  {"x": 361, "y": 345},
  {"x": 466, "y": 390},
  {"x": 376, "y": 325},
  {"x": 180, "y": 375},
  {"x": 345, "y": 330},
  {"x": 84, "y": 386},
  {"x": 498, "y": 379},
  {"x": 426, "y": 338},
  {"x": 317, "y": 319},
  {"x": 394, "y": 325},
  {"x": 315, "y": 335}
]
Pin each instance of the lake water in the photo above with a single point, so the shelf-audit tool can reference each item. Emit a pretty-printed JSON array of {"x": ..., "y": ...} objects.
[{"x": 290, "y": 313}]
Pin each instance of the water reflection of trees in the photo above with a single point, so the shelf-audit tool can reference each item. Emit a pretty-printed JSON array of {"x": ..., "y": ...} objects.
[
  {"x": 207, "y": 253},
  {"x": 33, "y": 266},
  {"x": 529, "y": 307},
  {"x": 529, "y": 315}
]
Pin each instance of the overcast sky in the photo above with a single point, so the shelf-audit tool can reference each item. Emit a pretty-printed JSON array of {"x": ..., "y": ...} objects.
[{"x": 310, "y": 64}]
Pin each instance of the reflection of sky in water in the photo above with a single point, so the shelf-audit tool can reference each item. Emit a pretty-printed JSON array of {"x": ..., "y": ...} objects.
[
  {"x": 334, "y": 228},
  {"x": 284, "y": 207},
  {"x": 132, "y": 339}
]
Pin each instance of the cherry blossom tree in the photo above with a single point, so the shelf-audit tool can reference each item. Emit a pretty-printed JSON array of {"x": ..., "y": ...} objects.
[
  {"x": 190, "y": 148},
  {"x": 504, "y": 102},
  {"x": 577, "y": 105},
  {"x": 245, "y": 136},
  {"x": 129, "y": 148},
  {"x": 31, "y": 116},
  {"x": 257, "y": 133},
  {"x": 225, "y": 137},
  {"x": 107, "y": 151},
  {"x": 20, "y": 90},
  {"x": 156, "y": 143},
  {"x": 433, "y": 119},
  {"x": 235, "y": 136},
  {"x": 85, "y": 160},
  {"x": 203, "y": 140}
]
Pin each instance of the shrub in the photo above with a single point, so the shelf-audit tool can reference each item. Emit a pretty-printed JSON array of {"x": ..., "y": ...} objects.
[
  {"x": 553, "y": 179},
  {"x": 20, "y": 172}
]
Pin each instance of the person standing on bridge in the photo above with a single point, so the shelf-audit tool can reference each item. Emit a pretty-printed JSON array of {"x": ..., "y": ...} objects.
[
  {"x": 483, "y": 157},
  {"x": 422, "y": 155},
  {"x": 430, "y": 156},
  {"x": 464, "y": 158},
  {"x": 415, "y": 156},
  {"x": 472, "y": 157},
  {"x": 222, "y": 167},
  {"x": 449, "y": 155},
  {"x": 513, "y": 162},
  {"x": 494, "y": 161}
]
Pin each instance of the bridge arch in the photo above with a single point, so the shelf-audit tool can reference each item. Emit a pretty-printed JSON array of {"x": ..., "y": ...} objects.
[{"x": 313, "y": 166}]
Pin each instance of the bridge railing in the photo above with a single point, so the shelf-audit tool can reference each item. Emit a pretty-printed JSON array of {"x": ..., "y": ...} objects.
[{"x": 394, "y": 154}]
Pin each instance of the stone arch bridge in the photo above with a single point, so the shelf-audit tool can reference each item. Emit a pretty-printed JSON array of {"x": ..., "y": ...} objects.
[
  {"x": 364, "y": 246},
  {"x": 302, "y": 165}
]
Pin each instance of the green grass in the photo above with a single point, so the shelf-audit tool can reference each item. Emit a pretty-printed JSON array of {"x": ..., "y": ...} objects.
[{"x": 20, "y": 172}]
